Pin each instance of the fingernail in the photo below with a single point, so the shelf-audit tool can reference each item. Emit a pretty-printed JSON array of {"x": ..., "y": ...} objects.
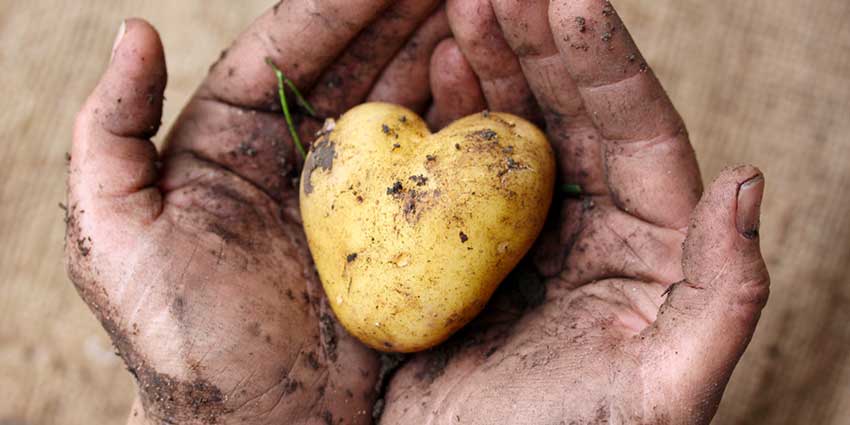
[
  {"x": 121, "y": 30},
  {"x": 749, "y": 207}
]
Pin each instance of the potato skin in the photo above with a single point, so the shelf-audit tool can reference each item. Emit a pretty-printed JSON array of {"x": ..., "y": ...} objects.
[{"x": 411, "y": 232}]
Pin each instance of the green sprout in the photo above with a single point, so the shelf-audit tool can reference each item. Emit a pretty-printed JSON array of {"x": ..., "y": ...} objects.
[
  {"x": 571, "y": 189},
  {"x": 282, "y": 83}
]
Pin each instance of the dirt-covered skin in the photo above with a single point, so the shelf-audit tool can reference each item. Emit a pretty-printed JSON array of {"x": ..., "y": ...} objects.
[
  {"x": 194, "y": 258},
  {"x": 635, "y": 307},
  {"x": 644, "y": 291}
]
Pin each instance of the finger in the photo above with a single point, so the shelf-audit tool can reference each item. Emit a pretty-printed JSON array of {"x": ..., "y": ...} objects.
[
  {"x": 302, "y": 37},
  {"x": 348, "y": 81},
  {"x": 572, "y": 133},
  {"x": 477, "y": 33},
  {"x": 454, "y": 86},
  {"x": 647, "y": 145},
  {"x": 405, "y": 81},
  {"x": 708, "y": 320},
  {"x": 112, "y": 167}
]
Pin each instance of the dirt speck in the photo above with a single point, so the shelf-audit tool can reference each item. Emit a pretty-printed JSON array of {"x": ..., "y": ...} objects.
[
  {"x": 289, "y": 385},
  {"x": 463, "y": 237},
  {"x": 511, "y": 165},
  {"x": 435, "y": 365},
  {"x": 84, "y": 246},
  {"x": 390, "y": 362},
  {"x": 395, "y": 189},
  {"x": 420, "y": 180},
  {"x": 409, "y": 207},
  {"x": 485, "y": 134},
  {"x": 247, "y": 150},
  {"x": 581, "y": 23},
  {"x": 329, "y": 338},
  {"x": 489, "y": 134},
  {"x": 351, "y": 257},
  {"x": 580, "y": 46},
  {"x": 322, "y": 156},
  {"x": 228, "y": 236},
  {"x": 312, "y": 361}
]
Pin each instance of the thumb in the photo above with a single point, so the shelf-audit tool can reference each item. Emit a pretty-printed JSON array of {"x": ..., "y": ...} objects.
[
  {"x": 112, "y": 164},
  {"x": 112, "y": 171},
  {"x": 708, "y": 319}
]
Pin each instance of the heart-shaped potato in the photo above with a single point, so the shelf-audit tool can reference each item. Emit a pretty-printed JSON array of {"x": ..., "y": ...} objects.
[{"x": 412, "y": 232}]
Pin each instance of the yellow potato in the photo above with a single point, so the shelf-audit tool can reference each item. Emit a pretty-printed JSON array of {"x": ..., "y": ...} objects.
[{"x": 412, "y": 232}]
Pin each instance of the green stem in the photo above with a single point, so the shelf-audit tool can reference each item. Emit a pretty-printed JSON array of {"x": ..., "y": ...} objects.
[
  {"x": 281, "y": 90},
  {"x": 298, "y": 98},
  {"x": 571, "y": 189}
]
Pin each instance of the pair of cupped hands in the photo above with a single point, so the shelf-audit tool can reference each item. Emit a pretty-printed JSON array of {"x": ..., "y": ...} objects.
[{"x": 195, "y": 261}]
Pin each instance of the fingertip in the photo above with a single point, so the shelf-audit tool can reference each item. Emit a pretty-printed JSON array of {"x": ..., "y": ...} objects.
[
  {"x": 128, "y": 99},
  {"x": 733, "y": 198},
  {"x": 112, "y": 157},
  {"x": 736, "y": 193},
  {"x": 454, "y": 85},
  {"x": 598, "y": 45},
  {"x": 722, "y": 247},
  {"x": 448, "y": 52},
  {"x": 137, "y": 50}
]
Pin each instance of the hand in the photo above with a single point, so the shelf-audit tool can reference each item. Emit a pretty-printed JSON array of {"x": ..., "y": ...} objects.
[
  {"x": 194, "y": 259},
  {"x": 652, "y": 291}
]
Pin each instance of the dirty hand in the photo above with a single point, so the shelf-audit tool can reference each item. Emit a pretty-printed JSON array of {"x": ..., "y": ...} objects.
[
  {"x": 652, "y": 288},
  {"x": 194, "y": 258}
]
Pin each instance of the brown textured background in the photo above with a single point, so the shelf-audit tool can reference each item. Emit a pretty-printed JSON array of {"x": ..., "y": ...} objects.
[{"x": 760, "y": 81}]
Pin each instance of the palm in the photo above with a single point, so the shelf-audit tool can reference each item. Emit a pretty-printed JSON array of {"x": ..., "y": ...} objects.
[{"x": 179, "y": 321}]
